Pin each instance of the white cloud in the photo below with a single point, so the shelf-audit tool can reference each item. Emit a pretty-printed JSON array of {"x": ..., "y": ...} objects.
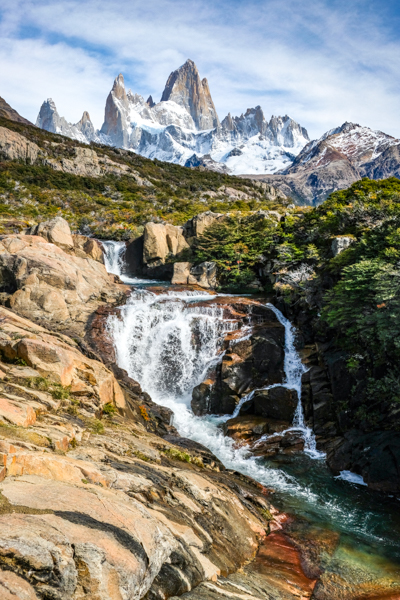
[{"x": 319, "y": 64}]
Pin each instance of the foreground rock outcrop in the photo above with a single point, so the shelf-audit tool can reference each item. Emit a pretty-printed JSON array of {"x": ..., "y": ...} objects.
[
  {"x": 92, "y": 503},
  {"x": 53, "y": 278}
]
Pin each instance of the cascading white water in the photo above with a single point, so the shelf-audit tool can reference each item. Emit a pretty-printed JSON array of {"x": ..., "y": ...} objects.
[
  {"x": 113, "y": 256},
  {"x": 168, "y": 342},
  {"x": 114, "y": 262}
]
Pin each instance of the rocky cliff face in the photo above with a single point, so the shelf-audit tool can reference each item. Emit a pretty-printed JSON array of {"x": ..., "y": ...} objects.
[{"x": 185, "y": 87}]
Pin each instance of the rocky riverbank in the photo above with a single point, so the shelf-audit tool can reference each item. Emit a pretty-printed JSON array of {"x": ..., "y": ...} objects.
[{"x": 100, "y": 497}]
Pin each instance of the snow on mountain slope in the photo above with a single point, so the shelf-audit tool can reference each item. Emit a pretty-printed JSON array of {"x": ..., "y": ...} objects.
[
  {"x": 358, "y": 144},
  {"x": 49, "y": 119},
  {"x": 335, "y": 161},
  {"x": 184, "y": 126}
]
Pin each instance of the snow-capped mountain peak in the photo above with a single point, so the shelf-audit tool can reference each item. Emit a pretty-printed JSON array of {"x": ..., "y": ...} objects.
[{"x": 185, "y": 125}]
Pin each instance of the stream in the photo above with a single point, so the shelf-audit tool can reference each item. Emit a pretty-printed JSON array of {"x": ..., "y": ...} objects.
[{"x": 168, "y": 341}]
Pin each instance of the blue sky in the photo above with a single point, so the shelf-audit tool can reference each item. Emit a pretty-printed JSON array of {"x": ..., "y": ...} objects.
[{"x": 321, "y": 61}]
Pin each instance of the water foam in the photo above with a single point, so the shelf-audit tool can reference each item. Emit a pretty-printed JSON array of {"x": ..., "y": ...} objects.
[{"x": 168, "y": 343}]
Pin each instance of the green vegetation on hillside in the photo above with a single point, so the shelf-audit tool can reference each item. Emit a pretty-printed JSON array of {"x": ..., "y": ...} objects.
[
  {"x": 111, "y": 207},
  {"x": 354, "y": 297}
]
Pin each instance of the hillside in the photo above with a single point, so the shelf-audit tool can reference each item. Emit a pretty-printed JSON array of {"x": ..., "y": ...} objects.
[{"x": 106, "y": 191}]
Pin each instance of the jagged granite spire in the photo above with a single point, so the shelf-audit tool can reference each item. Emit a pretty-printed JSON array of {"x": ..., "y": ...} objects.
[
  {"x": 115, "y": 113},
  {"x": 185, "y": 87},
  {"x": 49, "y": 119}
]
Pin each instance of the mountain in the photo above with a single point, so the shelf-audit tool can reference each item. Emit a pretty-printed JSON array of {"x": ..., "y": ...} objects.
[
  {"x": 184, "y": 126},
  {"x": 50, "y": 120},
  {"x": 8, "y": 112},
  {"x": 335, "y": 161},
  {"x": 186, "y": 89}
]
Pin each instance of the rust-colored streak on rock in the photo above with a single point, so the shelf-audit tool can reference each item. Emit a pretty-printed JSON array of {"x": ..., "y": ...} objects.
[{"x": 280, "y": 562}]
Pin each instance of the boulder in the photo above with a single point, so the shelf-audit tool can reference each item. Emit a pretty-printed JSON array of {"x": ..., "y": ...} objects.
[
  {"x": 251, "y": 427},
  {"x": 55, "y": 231},
  {"x": 160, "y": 240},
  {"x": 290, "y": 442},
  {"x": 86, "y": 247},
  {"x": 41, "y": 281},
  {"x": 244, "y": 428},
  {"x": 199, "y": 223},
  {"x": 133, "y": 258},
  {"x": 204, "y": 275},
  {"x": 274, "y": 403},
  {"x": 247, "y": 364},
  {"x": 181, "y": 273}
]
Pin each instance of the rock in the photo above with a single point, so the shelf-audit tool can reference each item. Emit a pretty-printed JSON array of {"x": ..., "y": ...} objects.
[
  {"x": 290, "y": 442},
  {"x": 133, "y": 259},
  {"x": 250, "y": 428},
  {"x": 85, "y": 247},
  {"x": 56, "y": 231},
  {"x": 196, "y": 226},
  {"x": 318, "y": 401},
  {"x": 247, "y": 364},
  {"x": 181, "y": 273},
  {"x": 13, "y": 587},
  {"x": 244, "y": 428},
  {"x": 17, "y": 413},
  {"x": 17, "y": 147},
  {"x": 375, "y": 456},
  {"x": 160, "y": 240},
  {"x": 341, "y": 243},
  {"x": 44, "y": 283},
  {"x": 275, "y": 403},
  {"x": 57, "y": 360},
  {"x": 204, "y": 275},
  {"x": 185, "y": 87}
]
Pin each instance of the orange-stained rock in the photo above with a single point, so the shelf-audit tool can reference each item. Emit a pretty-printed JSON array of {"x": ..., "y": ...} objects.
[
  {"x": 279, "y": 562},
  {"x": 13, "y": 587},
  {"x": 16, "y": 412}
]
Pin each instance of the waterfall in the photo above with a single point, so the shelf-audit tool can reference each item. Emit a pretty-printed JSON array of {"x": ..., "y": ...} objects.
[
  {"x": 113, "y": 256},
  {"x": 114, "y": 263},
  {"x": 167, "y": 343}
]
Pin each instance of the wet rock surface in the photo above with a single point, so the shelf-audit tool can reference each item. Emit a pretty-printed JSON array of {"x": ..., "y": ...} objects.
[
  {"x": 275, "y": 403},
  {"x": 247, "y": 363}
]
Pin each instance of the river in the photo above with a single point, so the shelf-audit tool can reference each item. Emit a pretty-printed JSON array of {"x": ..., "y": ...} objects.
[{"x": 153, "y": 339}]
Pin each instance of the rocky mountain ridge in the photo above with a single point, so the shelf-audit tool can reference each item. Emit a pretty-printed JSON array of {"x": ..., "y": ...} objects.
[
  {"x": 184, "y": 126},
  {"x": 335, "y": 161},
  {"x": 8, "y": 112}
]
